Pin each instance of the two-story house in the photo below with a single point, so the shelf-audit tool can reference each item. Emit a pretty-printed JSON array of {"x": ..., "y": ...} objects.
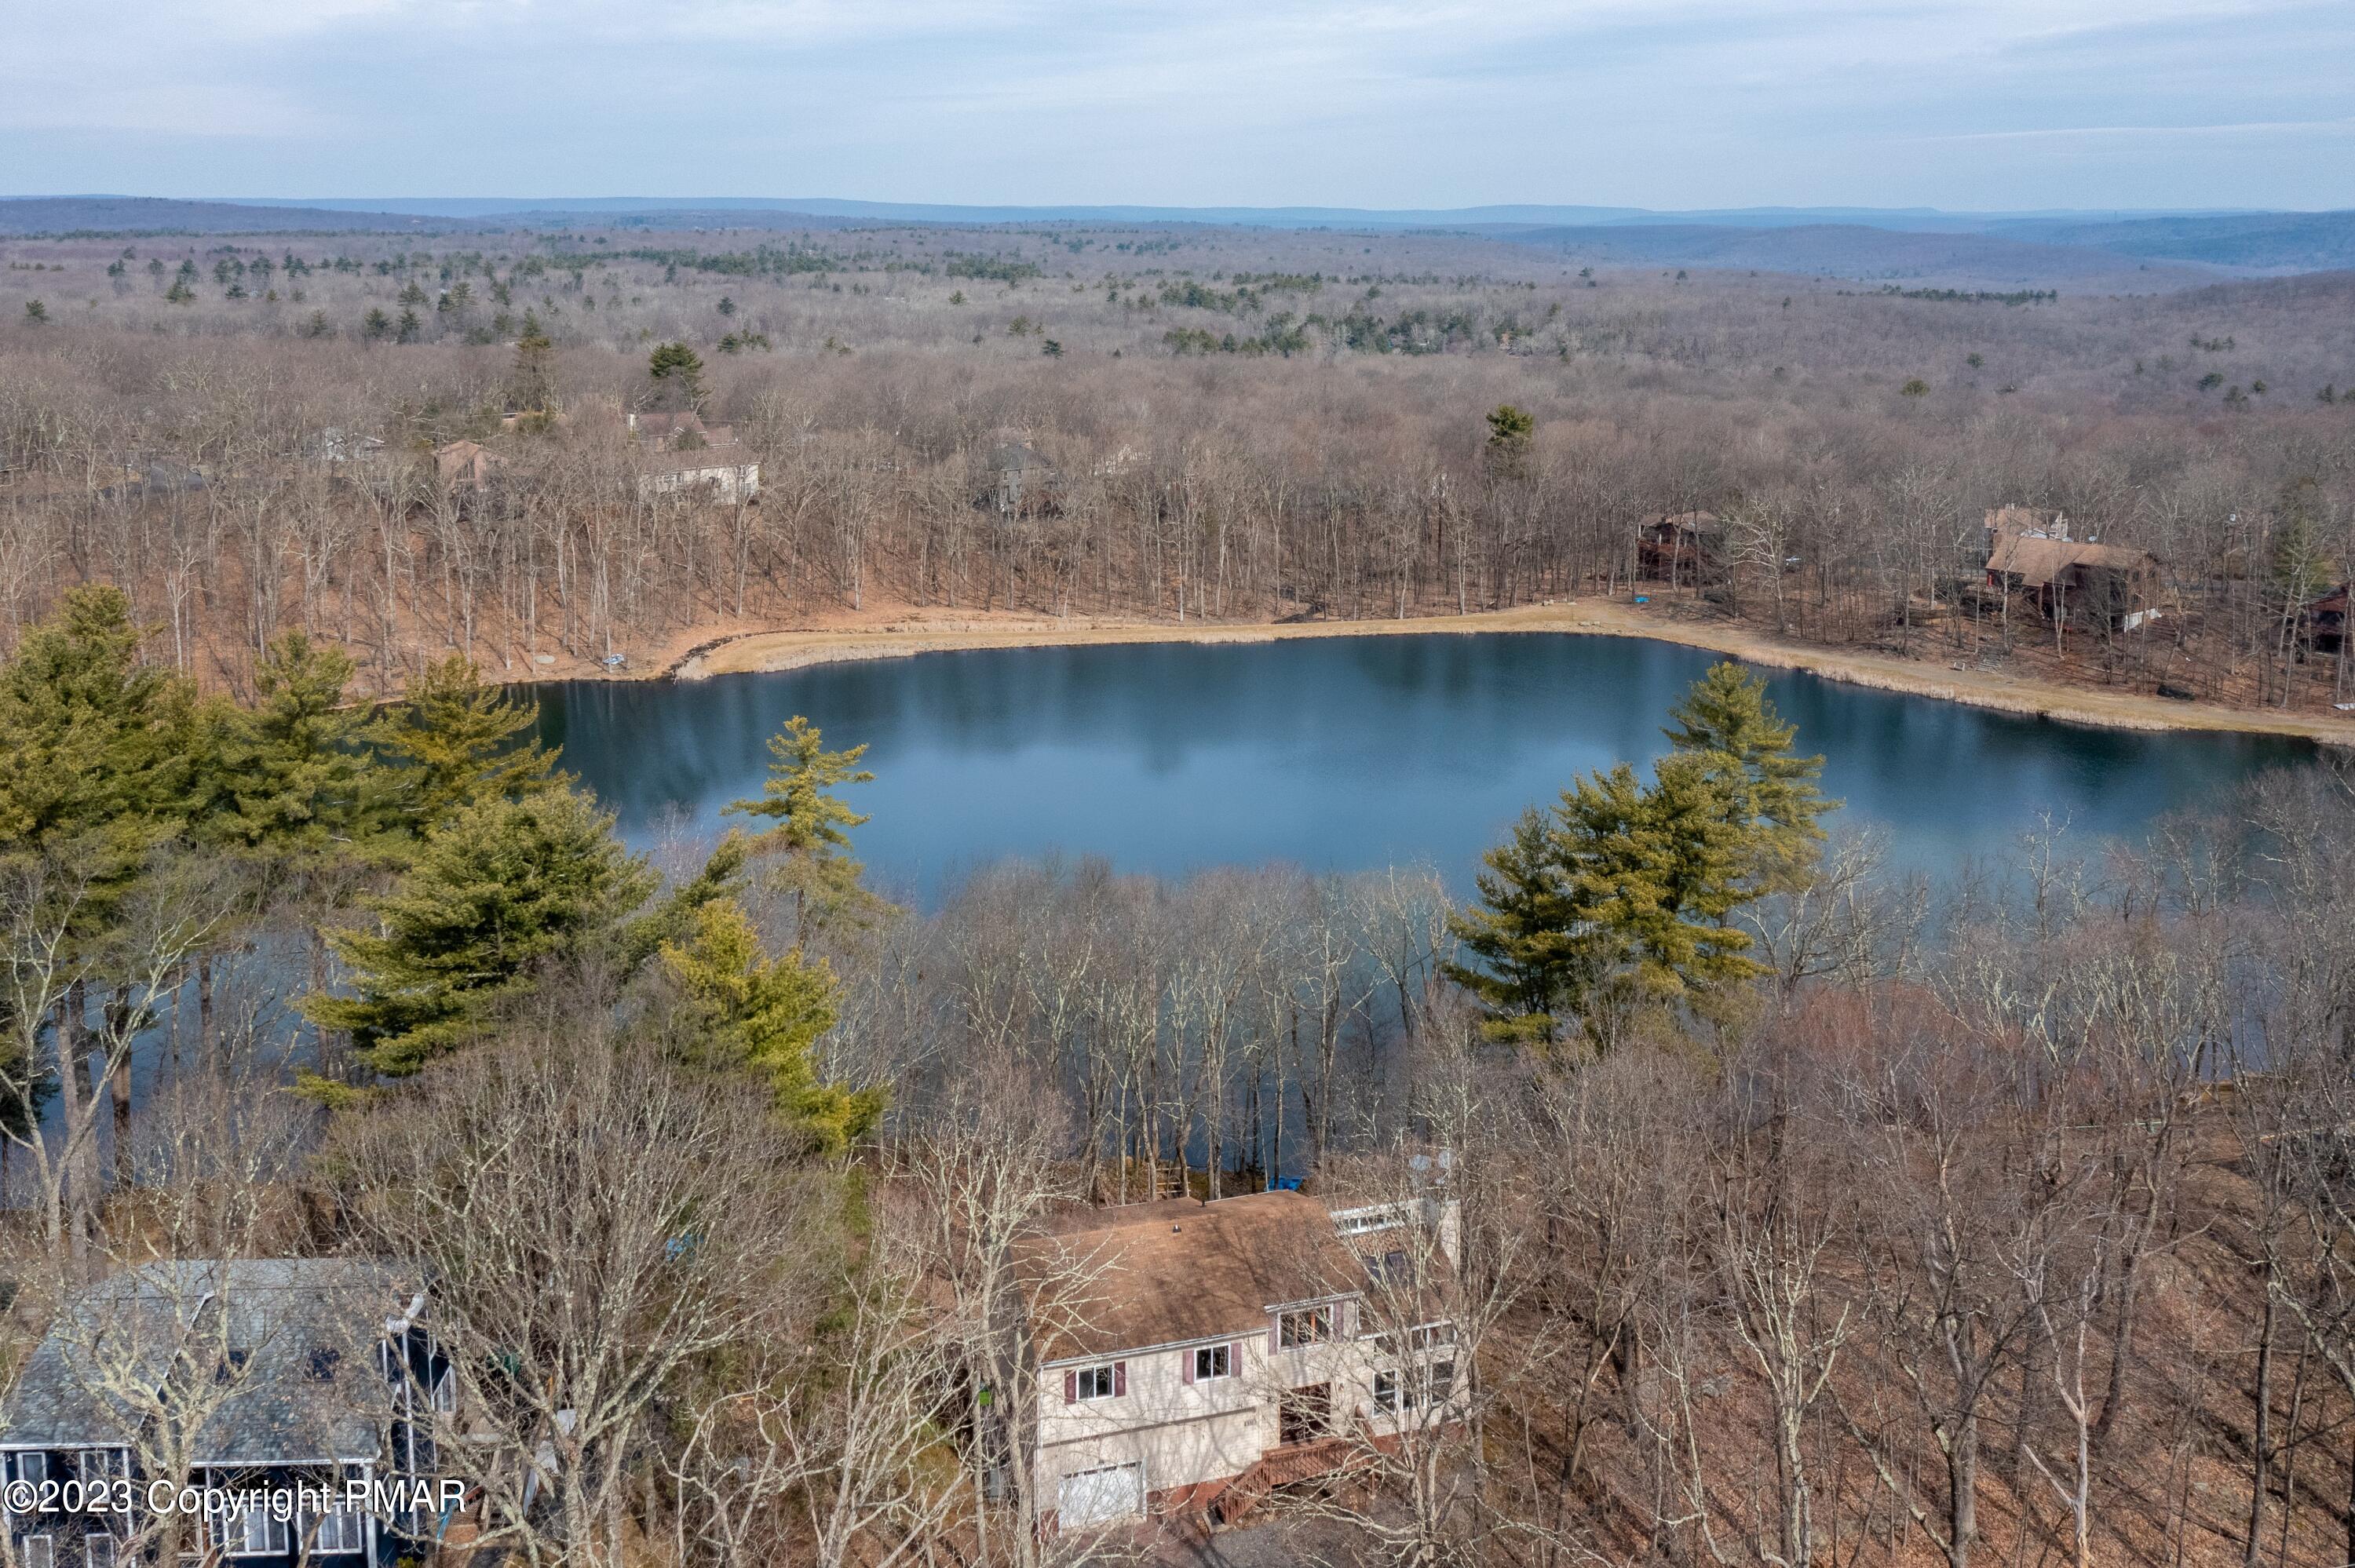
[
  {"x": 284, "y": 1407},
  {"x": 1189, "y": 1352}
]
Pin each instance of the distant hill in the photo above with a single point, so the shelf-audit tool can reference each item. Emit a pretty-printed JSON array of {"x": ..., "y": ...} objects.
[
  {"x": 153, "y": 214},
  {"x": 2274, "y": 241},
  {"x": 2013, "y": 249},
  {"x": 1854, "y": 251}
]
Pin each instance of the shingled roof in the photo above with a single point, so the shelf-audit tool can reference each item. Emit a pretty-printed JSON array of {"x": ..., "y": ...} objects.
[
  {"x": 1179, "y": 1271},
  {"x": 2036, "y": 562},
  {"x": 301, "y": 1334}
]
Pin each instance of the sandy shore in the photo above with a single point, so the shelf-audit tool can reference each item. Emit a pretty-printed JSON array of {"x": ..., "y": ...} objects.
[{"x": 926, "y": 633}]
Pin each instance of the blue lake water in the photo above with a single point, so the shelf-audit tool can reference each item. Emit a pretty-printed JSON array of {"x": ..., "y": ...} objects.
[{"x": 1339, "y": 754}]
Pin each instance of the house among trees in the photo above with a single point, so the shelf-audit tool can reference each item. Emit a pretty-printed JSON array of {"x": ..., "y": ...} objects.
[
  {"x": 1019, "y": 481},
  {"x": 1192, "y": 1356},
  {"x": 1675, "y": 546},
  {"x": 2030, "y": 553},
  {"x": 2326, "y": 620},
  {"x": 464, "y": 465},
  {"x": 678, "y": 454},
  {"x": 304, "y": 1390}
]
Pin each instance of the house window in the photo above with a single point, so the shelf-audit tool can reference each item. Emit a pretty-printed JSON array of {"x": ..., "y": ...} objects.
[
  {"x": 1389, "y": 1268},
  {"x": 1386, "y": 1392},
  {"x": 98, "y": 1550},
  {"x": 1443, "y": 1381},
  {"x": 1311, "y": 1325},
  {"x": 445, "y": 1391},
  {"x": 252, "y": 1532},
  {"x": 1097, "y": 1382},
  {"x": 40, "y": 1552},
  {"x": 33, "y": 1468},
  {"x": 1213, "y": 1362},
  {"x": 1432, "y": 1335},
  {"x": 340, "y": 1530}
]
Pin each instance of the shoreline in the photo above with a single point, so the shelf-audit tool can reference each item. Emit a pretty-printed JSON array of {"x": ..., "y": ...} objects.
[{"x": 763, "y": 653}]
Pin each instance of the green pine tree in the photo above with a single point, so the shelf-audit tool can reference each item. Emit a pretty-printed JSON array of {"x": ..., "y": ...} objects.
[
  {"x": 532, "y": 382},
  {"x": 1743, "y": 744},
  {"x": 504, "y": 886},
  {"x": 1620, "y": 898},
  {"x": 676, "y": 371},
  {"x": 745, "y": 1012},
  {"x": 95, "y": 745},
  {"x": 1534, "y": 963},
  {"x": 810, "y": 837},
  {"x": 295, "y": 774},
  {"x": 1661, "y": 869},
  {"x": 457, "y": 735}
]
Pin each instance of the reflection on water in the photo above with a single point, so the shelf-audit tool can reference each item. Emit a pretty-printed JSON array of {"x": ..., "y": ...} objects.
[{"x": 1333, "y": 753}]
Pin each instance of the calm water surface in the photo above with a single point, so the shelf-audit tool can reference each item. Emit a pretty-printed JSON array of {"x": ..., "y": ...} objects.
[{"x": 1336, "y": 753}]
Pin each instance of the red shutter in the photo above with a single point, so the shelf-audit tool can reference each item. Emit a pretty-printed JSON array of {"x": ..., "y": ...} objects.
[
  {"x": 1070, "y": 1388},
  {"x": 1274, "y": 1329},
  {"x": 1186, "y": 1365},
  {"x": 1235, "y": 1358},
  {"x": 1119, "y": 1379}
]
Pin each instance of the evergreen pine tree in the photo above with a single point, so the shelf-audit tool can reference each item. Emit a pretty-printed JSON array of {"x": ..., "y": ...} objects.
[
  {"x": 504, "y": 886},
  {"x": 1533, "y": 970},
  {"x": 300, "y": 782},
  {"x": 810, "y": 837},
  {"x": 457, "y": 734},
  {"x": 94, "y": 744},
  {"x": 1620, "y": 896},
  {"x": 1726, "y": 722},
  {"x": 746, "y": 1012}
]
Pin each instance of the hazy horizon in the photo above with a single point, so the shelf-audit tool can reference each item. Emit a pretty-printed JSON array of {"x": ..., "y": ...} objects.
[{"x": 1995, "y": 106}]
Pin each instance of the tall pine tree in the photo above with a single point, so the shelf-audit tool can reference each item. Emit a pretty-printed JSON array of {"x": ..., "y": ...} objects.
[
  {"x": 1726, "y": 723},
  {"x": 744, "y": 1012},
  {"x": 504, "y": 886},
  {"x": 1620, "y": 896},
  {"x": 459, "y": 736},
  {"x": 811, "y": 838}
]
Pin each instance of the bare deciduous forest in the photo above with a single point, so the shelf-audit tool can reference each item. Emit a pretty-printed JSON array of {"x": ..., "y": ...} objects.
[{"x": 1164, "y": 423}]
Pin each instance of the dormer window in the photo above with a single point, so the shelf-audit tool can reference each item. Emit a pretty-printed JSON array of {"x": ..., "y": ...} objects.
[{"x": 1310, "y": 1326}]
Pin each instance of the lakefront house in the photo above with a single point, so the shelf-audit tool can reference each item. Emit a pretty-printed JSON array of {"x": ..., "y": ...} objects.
[{"x": 1192, "y": 1356}]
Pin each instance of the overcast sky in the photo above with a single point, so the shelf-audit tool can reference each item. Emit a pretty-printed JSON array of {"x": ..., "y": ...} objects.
[{"x": 1972, "y": 105}]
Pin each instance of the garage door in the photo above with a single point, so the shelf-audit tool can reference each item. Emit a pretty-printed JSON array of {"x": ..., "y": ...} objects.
[{"x": 1097, "y": 1496}]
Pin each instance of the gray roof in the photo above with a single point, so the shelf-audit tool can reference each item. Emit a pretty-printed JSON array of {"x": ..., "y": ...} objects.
[{"x": 299, "y": 1335}]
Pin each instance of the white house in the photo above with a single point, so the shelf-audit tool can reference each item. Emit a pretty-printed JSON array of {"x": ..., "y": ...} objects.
[{"x": 1188, "y": 1352}]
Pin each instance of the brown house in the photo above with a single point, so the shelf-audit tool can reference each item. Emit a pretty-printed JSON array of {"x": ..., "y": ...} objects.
[
  {"x": 1676, "y": 546},
  {"x": 2112, "y": 583},
  {"x": 467, "y": 465}
]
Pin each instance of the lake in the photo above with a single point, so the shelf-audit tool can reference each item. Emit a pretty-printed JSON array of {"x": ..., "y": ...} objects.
[{"x": 1341, "y": 753}]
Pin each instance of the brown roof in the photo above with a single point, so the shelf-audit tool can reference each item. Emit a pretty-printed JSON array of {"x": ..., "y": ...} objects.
[
  {"x": 1174, "y": 1272},
  {"x": 2037, "y": 562},
  {"x": 464, "y": 463}
]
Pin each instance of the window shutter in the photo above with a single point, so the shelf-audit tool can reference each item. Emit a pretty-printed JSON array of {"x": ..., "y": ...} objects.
[
  {"x": 1119, "y": 1379},
  {"x": 1235, "y": 1358},
  {"x": 1345, "y": 1321},
  {"x": 1186, "y": 1365},
  {"x": 1274, "y": 1332},
  {"x": 1070, "y": 1388}
]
